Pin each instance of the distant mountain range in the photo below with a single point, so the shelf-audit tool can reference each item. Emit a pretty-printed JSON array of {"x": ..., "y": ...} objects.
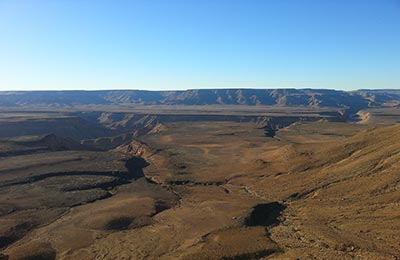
[{"x": 353, "y": 100}]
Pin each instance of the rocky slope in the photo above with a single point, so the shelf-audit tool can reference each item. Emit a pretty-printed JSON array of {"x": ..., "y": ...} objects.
[{"x": 212, "y": 190}]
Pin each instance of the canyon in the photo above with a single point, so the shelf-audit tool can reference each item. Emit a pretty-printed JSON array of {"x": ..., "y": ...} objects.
[{"x": 200, "y": 174}]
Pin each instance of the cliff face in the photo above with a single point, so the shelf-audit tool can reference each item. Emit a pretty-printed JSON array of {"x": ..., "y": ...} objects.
[{"x": 273, "y": 97}]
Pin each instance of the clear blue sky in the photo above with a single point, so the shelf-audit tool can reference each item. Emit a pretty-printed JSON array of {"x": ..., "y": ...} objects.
[{"x": 180, "y": 44}]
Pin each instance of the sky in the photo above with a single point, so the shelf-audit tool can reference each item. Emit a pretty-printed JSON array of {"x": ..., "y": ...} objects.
[{"x": 191, "y": 44}]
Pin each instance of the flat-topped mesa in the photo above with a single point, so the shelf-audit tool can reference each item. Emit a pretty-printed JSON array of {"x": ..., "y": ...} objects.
[
  {"x": 60, "y": 124},
  {"x": 56, "y": 143},
  {"x": 252, "y": 97}
]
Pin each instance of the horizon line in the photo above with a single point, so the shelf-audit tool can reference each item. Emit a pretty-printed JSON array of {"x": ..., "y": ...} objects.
[{"x": 194, "y": 89}]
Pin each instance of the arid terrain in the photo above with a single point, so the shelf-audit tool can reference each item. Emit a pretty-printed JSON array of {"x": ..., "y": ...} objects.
[{"x": 299, "y": 174}]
